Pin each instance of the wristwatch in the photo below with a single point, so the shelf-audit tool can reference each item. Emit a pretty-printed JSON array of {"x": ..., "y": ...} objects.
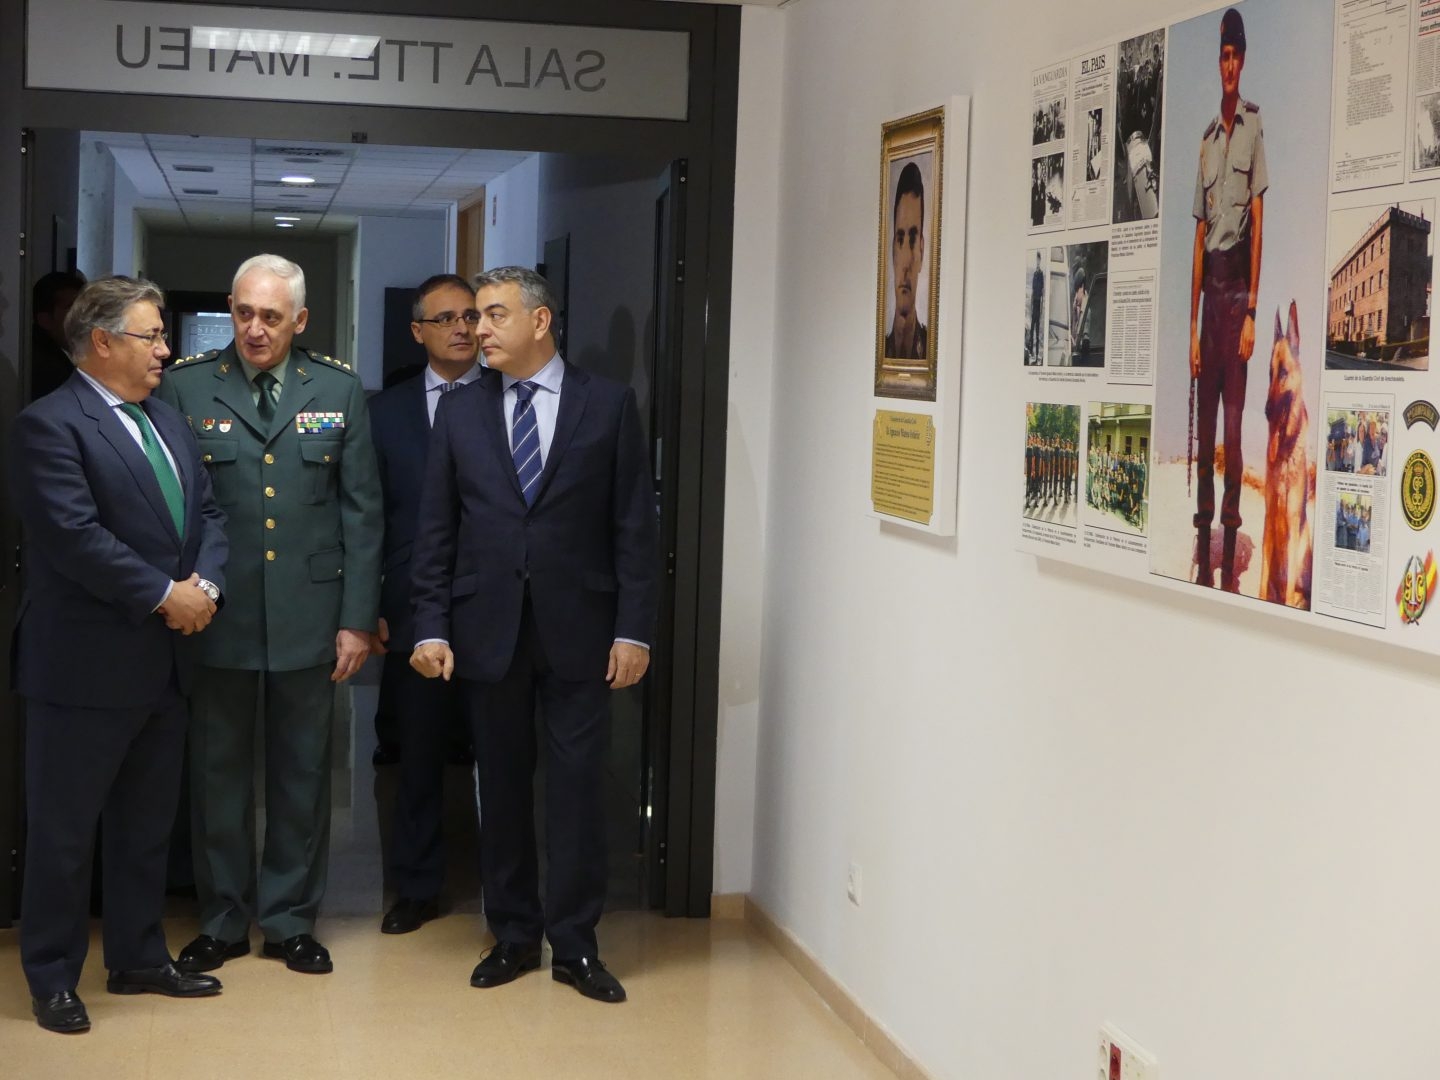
[{"x": 210, "y": 589}]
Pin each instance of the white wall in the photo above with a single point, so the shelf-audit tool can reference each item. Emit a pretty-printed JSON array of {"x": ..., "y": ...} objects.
[
  {"x": 1073, "y": 799},
  {"x": 390, "y": 252},
  {"x": 512, "y": 223}
]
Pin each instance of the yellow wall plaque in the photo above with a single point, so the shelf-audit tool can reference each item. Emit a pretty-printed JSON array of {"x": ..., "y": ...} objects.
[{"x": 902, "y": 465}]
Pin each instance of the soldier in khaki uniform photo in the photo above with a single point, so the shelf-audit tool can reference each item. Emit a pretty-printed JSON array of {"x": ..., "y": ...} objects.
[
  {"x": 284, "y": 432},
  {"x": 1229, "y": 203}
]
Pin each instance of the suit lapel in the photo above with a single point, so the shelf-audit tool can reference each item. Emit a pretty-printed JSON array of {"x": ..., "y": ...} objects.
[
  {"x": 574, "y": 395},
  {"x": 112, "y": 430}
]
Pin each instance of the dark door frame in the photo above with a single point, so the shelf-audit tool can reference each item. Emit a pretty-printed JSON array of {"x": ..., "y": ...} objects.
[{"x": 706, "y": 139}]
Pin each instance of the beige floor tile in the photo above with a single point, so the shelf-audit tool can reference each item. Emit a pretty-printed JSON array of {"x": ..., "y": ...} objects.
[{"x": 708, "y": 999}]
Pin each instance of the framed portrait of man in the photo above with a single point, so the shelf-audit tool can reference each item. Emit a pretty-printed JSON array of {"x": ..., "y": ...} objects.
[{"x": 908, "y": 277}]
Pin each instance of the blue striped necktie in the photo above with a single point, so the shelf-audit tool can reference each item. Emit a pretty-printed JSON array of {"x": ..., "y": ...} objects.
[{"x": 525, "y": 441}]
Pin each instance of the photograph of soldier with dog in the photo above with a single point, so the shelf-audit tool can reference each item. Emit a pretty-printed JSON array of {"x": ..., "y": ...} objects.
[{"x": 1242, "y": 305}]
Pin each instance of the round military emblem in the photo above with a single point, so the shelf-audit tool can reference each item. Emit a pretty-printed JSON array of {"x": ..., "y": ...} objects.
[
  {"x": 1416, "y": 587},
  {"x": 1417, "y": 494}
]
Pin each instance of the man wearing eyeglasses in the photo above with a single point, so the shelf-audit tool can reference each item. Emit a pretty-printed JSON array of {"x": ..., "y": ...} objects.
[
  {"x": 124, "y": 553},
  {"x": 427, "y": 710},
  {"x": 285, "y": 435}
]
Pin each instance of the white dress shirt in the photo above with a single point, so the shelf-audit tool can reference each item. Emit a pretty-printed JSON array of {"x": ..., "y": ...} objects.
[
  {"x": 434, "y": 382},
  {"x": 545, "y": 402}
]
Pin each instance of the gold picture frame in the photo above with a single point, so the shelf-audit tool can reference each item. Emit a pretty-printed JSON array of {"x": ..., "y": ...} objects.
[{"x": 907, "y": 287}]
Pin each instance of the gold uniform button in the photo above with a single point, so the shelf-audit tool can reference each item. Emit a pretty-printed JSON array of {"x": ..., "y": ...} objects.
[
  {"x": 269, "y": 459},
  {"x": 269, "y": 492},
  {"x": 269, "y": 556},
  {"x": 269, "y": 523},
  {"x": 327, "y": 459},
  {"x": 207, "y": 457}
]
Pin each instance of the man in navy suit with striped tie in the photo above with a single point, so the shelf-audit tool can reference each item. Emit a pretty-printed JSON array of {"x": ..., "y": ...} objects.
[
  {"x": 444, "y": 320},
  {"x": 534, "y": 582},
  {"x": 124, "y": 553}
]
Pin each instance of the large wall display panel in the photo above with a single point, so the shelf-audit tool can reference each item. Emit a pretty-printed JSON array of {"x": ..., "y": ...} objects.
[
  {"x": 915, "y": 406},
  {"x": 1225, "y": 350}
]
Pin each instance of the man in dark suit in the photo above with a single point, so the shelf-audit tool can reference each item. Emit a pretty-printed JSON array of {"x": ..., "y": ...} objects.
[
  {"x": 426, "y": 709},
  {"x": 285, "y": 435},
  {"x": 51, "y": 297},
  {"x": 124, "y": 553},
  {"x": 534, "y": 581}
]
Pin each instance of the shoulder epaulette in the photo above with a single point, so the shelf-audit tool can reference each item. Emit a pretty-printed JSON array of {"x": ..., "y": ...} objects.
[
  {"x": 331, "y": 360},
  {"x": 1211, "y": 129},
  {"x": 1250, "y": 106},
  {"x": 197, "y": 358}
]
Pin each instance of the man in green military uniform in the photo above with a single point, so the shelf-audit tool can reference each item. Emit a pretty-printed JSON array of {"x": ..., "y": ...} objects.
[{"x": 285, "y": 435}]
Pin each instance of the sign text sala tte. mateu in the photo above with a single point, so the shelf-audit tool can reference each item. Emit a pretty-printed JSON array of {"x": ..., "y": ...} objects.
[{"x": 189, "y": 49}]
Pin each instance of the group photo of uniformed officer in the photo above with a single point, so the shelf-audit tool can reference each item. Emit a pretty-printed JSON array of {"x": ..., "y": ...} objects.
[
  {"x": 228, "y": 537},
  {"x": 1052, "y": 462},
  {"x": 1242, "y": 225}
]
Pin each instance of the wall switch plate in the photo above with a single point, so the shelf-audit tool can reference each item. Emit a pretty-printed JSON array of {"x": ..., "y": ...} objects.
[
  {"x": 852, "y": 884},
  {"x": 1121, "y": 1058}
]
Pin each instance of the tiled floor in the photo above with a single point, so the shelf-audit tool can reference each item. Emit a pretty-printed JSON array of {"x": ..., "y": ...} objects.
[{"x": 708, "y": 998}]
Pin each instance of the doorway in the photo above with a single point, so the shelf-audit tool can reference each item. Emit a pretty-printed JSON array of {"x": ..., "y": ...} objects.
[{"x": 674, "y": 861}]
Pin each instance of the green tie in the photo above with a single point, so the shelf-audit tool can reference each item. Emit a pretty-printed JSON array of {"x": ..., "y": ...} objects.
[
  {"x": 264, "y": 402},
  {"x": 169, "y": 482}
]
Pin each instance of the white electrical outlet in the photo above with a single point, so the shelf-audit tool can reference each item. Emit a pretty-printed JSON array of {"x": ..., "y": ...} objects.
[
  {"x": 1121, "y": 1058},
  {"x": 852, "y": 884}
]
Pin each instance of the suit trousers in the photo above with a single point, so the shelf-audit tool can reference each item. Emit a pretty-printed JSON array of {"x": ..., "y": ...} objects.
[
  {"x": 82, "y": 765},
  {"x": 427, "y": 711},
  {"x": 575, "y": 719},
  {"x": 297, "y": 708}
]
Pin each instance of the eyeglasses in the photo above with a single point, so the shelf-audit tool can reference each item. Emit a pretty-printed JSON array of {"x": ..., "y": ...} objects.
[
  {"x": 447, "y": 319},
  {"x": 158, "y": 337}
]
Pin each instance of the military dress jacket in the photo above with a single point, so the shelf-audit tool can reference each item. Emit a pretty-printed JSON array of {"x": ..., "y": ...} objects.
[{"x": 302, "y": 498}]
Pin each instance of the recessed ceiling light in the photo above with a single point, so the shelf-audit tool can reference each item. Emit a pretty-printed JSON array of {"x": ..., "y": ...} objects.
[
  {"x": 295, "y": 178},
  {"x": 286, "y": 217},
  {"x": 284, "y": 224}
]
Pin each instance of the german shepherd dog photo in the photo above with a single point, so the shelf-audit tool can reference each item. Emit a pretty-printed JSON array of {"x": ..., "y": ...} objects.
[{"x": 1286, "y": 548}]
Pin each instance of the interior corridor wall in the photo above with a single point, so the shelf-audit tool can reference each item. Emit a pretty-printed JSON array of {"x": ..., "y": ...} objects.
[
  {"x": 512, "y": 208},
  {"x": 1072, "y": 798}
]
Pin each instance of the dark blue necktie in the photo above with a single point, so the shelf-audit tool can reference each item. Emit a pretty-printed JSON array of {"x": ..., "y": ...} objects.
[{"x": 525, "y": 441}]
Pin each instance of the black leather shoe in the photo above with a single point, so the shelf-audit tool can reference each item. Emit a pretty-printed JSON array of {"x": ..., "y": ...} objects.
[
  {"x": 206, "y": 953},
  {"x": 166, "y": 979},
  {"x": 385, "y": 753},
  {"x": 63, "y": 1012},
  {"x": 588, "y": 975},
  {"x": 301, "y": 953},
  {"x": 408, "y": 915},
  {"x": 505, "y": 963}
]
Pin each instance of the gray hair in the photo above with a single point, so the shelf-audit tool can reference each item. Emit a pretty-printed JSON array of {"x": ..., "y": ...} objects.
[
  {"x": 281, "y": 267},
  {"x": 535, "y": 291},
  {"x": 103, "y": 305}
]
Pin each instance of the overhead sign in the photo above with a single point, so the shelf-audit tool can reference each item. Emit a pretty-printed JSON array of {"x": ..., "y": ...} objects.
[{"x": 118, "y": 46}]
